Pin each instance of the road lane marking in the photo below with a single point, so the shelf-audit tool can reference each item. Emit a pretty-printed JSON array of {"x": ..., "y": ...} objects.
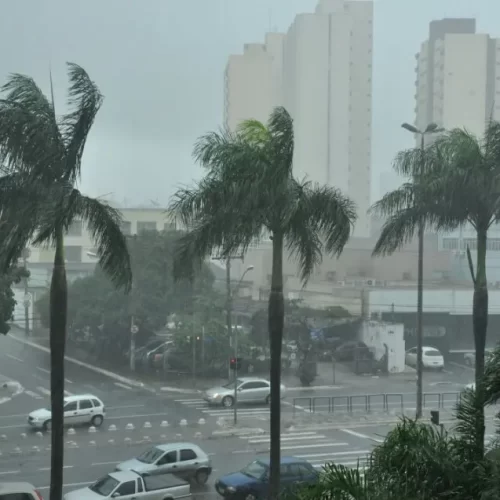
[
  {"x": 68, "y": 380},
  {"x": 119, "y": 384},
  {"x": 44, "y": 391},
  {"x": 334, "y": 453},
  {"x": 362, "y": 436},
  {"x": 104, "y": 463},
  {"x": 67, "y": 393},
  {"x": 137, "y": 416},
  {"x": 9, "y": 472},
  {"x": 14, "y": 358},
  {"x": 285, "y": 439},
  {"x": 64, "y": 467},
  {"x": 43, "y": 370},
  {"x": 33, "y": 395}
]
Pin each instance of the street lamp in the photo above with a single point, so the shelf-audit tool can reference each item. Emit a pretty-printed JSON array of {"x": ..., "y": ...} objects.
[
  {"x": 431, "y": 128},
  {"x": 235, "y": 402}
]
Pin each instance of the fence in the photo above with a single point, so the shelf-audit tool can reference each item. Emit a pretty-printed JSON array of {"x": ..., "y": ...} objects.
[{"x": 368, "y": 402}]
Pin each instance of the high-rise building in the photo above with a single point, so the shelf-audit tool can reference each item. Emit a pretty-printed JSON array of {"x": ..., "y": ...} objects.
[
  {"x": 458, "y": 77},
  {"x": 321, "y": 71}
]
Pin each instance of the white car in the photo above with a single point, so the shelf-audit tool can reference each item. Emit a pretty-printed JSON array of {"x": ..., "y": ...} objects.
[
  {"x": 84, "y": 409},
  {"x": 431, "y": 358}
]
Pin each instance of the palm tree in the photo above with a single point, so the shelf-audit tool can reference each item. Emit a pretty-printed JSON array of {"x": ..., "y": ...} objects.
[
  {"x": 250, "y": 189},
  {"x": 39, "y": 200},
  {"x": 459, "y": 187}
]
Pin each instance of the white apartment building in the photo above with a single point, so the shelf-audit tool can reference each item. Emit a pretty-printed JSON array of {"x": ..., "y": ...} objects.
[
  {"x": 458, "y": 85},
  {"x": 321, "y": 71}
]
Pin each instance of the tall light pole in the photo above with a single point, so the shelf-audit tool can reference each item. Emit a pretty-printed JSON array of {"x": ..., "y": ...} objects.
[
  {"x": 27, "y": 296},
  {"x": 432, "y": 128},
  {"x": 235, "y": 403}
]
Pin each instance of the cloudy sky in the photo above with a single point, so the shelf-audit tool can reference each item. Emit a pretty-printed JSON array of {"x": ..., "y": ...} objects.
[{"x": 160, "y": 65}]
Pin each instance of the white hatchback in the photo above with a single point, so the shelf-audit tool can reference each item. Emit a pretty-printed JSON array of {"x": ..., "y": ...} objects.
[
  {"x": 84, "y": 409},
  {"x": 431, "y": 358}
]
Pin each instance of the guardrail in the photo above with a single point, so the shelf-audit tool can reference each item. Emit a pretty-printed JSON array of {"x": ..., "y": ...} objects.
[{"x": 367, "y": 403}]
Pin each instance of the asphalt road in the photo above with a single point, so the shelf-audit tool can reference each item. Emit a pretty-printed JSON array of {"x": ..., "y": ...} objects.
[{"x": 85, "y": 463}]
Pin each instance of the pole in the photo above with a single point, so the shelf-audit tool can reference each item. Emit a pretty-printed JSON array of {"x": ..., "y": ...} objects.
[
  {"x": 26, "y": 291},
  {"x": 420, "y": 294},
  {"x": 229, "y": 307},
  {"x": 203, "y": 349},
  {"x": 236, "y": 374},
  {"x": 193, "y": 340},
  {"x": 132, "y": 343}
]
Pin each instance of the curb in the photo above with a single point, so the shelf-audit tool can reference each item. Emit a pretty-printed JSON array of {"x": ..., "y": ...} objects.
[{"x": 102, "y": 371}]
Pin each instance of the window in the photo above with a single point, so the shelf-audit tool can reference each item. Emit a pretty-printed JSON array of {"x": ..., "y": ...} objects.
[
  {"x": 139, "y": 486},
  {"x": 75, "y": 229},
  {"x": 86, "y": 404},
  {"x": 168, "y": 458},
  {"x": 73, "y": 253},
  {"x": 187, "y": 455},
  {"x": 126, "y": 227},
  {"x": 16, "y": 496},
  {"x": 146, "y": 226},
  {"x": 97, "y": 404},
  {"x": 71, "y": 406},
  {"x": 255, "y": 385},
  {"x": 127, "y": 488}
]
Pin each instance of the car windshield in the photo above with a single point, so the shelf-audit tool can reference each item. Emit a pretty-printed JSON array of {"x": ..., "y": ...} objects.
[
  {"x": 150, "y": 456},
  {"x": 104, "y": 486},
  {"x": 255, "y": 469},
  {"x": 231, "y": 384},
  {"x": 432, "y": 352}
]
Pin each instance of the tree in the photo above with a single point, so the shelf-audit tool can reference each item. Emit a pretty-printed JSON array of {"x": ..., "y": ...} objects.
[
  {"x": 458, "y": 187},
  {"x": 12, "y": 276},
  {"x": 250, "y": 188},
  {"x": 42, "y": 154}
]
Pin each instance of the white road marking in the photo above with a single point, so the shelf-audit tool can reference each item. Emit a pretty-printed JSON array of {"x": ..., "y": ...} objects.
[
  {"x": 10, "y": 472},
  {"x": 67, "y": 393},
  {"x": 104, "y": 463},
  {"x": 14, "y": 358},
  {"x": 284, "y": 439},
  {"x": 68, "y": 380},
  {"x": 43, "y": 370},
  {"x": 123, "y": 385},
  {"x": 316, "y": 445},
  {"x": 123, "y": 407},
  {"x": 335, "y": 453},
  {"x": 137, "y": 416},
  {"x": 64, "y": 467},
  {"x": 186, "y": 400},
  {"x": 231, "y": 411},
  {"x": 287, "y": 403},
  {"x": 33, "y": 395},
  {"x": 44, "y": 391},
  {"x": 362, "y": 436}
]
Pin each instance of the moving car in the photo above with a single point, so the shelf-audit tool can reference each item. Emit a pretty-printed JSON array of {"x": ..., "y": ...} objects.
[
  {"x": 252, "y": 482},
  {"x": 130, "y": 484},
  {"x": 431, "y": 358},
  {"x": 249, "y": 390},
  {"x": 185, "y": 460},
  {"x": 19, "y": 491},
  {"x": 78, "y": 410}
]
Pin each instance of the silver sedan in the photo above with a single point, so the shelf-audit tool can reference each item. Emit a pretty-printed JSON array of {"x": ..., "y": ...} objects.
[{"x": 248, "y": 390}]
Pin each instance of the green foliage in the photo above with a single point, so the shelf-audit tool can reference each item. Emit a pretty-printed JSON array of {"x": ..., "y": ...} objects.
[
  {"x": 7, "y": 301},
  {"x": 93, "y": 300}
]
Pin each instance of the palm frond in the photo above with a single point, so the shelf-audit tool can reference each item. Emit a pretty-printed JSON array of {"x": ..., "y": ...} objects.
[
  {"x": 280, "y": 126},
  {"x": 253, "y": 132},
  {"x": 86, "y": 100}
]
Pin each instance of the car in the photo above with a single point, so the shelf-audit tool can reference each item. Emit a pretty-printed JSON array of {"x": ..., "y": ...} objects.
[
  {"x": 19, "y": 491},
  {"x": 252, "y": 482},
  {"x": 185, "y": 460},
  {"x": 82, "y": 409},
  {"x": 249, "y": 390},
  {"x": 431, "y": 358},
  {"x": 130, "y": 484}
]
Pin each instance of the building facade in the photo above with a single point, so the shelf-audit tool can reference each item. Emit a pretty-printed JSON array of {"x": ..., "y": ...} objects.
[{"x": 321, "y": 71}]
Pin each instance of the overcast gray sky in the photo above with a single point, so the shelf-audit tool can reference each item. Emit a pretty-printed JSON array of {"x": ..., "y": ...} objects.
[{"x": 160, "y": 65}]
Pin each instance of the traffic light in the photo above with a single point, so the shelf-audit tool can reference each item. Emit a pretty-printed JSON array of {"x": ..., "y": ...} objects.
[
  {"x": 235, "y": 363},
  {"x": 435, "y": 417}
]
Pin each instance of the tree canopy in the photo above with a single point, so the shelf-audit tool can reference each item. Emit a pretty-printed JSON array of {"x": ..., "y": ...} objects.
[{"x": 7, "y": 298}]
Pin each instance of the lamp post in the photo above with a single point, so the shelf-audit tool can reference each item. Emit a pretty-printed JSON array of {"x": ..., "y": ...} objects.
[
  {"x": 235, "y": 403},
  {"x": 27, "y": 296},
  {"x": 432, "y": 128}
]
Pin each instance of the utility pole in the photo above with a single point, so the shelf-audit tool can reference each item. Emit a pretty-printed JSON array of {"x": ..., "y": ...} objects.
[
  {"x": 432, "y": 128},
  {"x": 229, "y": 307},
  {"x": 133, "y": 332},
  {"x": 27, "y": 298}
]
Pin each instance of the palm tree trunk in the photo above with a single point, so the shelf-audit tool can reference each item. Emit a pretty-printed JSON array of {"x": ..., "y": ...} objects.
[
  {"x": 276, "y": 321},
  {"x": 58, "y": 313},
  {"x": 480, "y": 324}
]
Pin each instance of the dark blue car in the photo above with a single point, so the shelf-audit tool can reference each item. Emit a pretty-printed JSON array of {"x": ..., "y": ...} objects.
[{"x": 252, "y": 482}]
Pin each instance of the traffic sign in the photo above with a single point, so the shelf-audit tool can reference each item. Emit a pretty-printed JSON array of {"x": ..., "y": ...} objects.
[{"x": 134, "y": 329}]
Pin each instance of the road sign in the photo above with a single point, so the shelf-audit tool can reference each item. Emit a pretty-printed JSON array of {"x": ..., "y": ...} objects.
[
  {"x": 134, "y": 329},
  {"x": 27, "y": 299}
]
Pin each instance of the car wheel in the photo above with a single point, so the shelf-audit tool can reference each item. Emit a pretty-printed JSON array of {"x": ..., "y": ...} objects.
[
  {"x": 47, "y": 426},
  {"x": 201, "y": 477},
  {"x": 97, "y": 420},
  {"x": 228, "y": 401},
  {"x": 268, "y": 399}
]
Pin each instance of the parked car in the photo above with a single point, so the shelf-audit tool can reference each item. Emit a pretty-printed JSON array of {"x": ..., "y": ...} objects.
[
  {"x": 83, "y": 409},
  {"x": 249, "y": 390},
  {"x": 19, "y": 491},
  {"x": 185, "y": 460},
  {"x": 130, "y": 484},
  {"x": 431, "y": 358},
  {"x": 252, "y": 482},
  {"x": 470, "y": 357}
]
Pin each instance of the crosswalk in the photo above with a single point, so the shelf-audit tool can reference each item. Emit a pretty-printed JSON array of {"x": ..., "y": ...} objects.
[
  {"x": 211, "y": 411},
  {"x": 315, "y": 447}
]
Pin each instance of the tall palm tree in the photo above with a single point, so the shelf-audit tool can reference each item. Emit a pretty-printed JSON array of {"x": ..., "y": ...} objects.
[
  {"x": 459, "y": 186},
  {"x": 250, "y": 189},
  {"x": 42, "y": 157}
]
